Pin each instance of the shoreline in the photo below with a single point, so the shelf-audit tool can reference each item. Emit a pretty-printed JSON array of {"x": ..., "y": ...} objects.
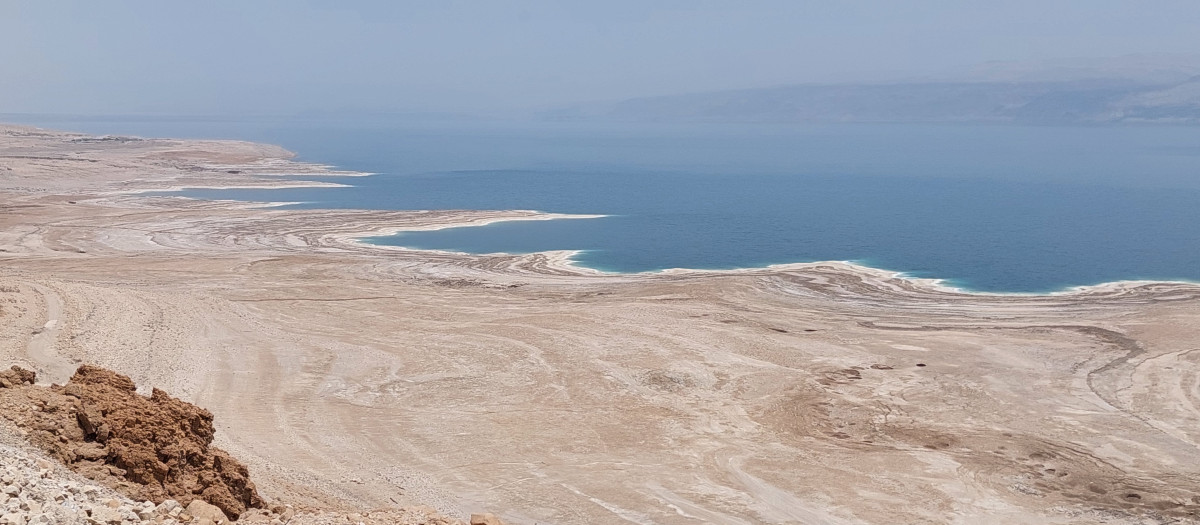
[
  {"x": 353, "y": 376},
  {"x": 567, "y": 262},
  {"x": 265, "y": 176}
]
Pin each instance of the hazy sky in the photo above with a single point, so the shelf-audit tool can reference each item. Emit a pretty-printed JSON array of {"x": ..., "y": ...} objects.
[{"x": 218, "y": 56}]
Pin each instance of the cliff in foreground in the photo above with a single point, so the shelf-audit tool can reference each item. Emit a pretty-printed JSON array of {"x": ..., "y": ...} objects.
[{"x": 145, "y": 460}]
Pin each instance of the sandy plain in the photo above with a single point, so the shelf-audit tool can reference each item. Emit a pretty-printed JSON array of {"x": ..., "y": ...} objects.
[{"x": 353, "y": 376}]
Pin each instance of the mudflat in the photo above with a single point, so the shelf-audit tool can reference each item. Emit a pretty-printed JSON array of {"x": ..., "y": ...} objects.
[{"x": 352, "y": 376}]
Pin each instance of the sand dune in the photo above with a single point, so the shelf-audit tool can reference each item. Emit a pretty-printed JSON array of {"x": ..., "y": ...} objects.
[{"x": 353, "y": 376}]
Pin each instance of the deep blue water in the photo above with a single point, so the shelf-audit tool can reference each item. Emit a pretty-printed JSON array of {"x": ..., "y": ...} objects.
[{"x": 989, "y": 208}]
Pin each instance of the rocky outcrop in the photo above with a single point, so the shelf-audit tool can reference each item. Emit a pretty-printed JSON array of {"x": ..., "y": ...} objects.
[
  {"x": 16, "y": 376},
  {"x": 151, "y": 448},
  {"x": 37, "y": 491},
  {"x": 154, "y": 450}
]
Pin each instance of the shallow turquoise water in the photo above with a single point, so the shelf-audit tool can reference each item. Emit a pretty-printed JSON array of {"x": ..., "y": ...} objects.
[{"x": 989, "y": 208}]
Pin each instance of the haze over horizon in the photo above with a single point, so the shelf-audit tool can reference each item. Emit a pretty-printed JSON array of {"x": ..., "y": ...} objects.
[
  {"x": 227, "y": 57},
  {"x": 652, "y": 262}
]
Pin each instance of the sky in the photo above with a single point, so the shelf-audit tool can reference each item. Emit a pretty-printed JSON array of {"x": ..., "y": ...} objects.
[{"x": 268, "y": 57}]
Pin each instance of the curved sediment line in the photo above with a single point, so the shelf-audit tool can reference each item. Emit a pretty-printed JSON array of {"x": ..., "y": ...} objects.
[{"x": 346, "y": 373}]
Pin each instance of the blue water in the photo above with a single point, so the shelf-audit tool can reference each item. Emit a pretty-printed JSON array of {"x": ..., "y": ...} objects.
[{"x": 988, "y": 208}]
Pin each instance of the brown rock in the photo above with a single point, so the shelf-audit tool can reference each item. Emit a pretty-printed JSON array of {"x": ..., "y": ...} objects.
[
  {"x": 90, "y": 451},
  {"x": 16, "y": 376},
  {"x": 154, "y": 448},
  {"x": 201, "y": 510},
  {"x": 89, "y": 420},
  {"x": 485, "y": 519}
]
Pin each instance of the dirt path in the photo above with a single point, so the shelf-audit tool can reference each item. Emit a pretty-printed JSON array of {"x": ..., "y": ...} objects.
[{"x": 54, "y": 367}]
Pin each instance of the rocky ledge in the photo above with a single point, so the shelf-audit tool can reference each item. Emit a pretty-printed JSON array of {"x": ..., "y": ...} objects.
[
  {"x": 146, "y": 460},
  {"x": 153, "y": 448}
]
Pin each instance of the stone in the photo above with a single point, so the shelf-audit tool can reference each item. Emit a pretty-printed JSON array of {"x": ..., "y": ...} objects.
[
  {"x": 160, "y": 445},
  {"x": 485, "y": 519},
  {"x": 16, "y": 376},
  {"x": 12, "y": 490},
  {"x": 106, "y": 516},
  {"x": 145, "y": 512},
  {"x": 166, "y": 506},
  {"x": 201, "y": 510},
  {"x": 12, "y": 519}
]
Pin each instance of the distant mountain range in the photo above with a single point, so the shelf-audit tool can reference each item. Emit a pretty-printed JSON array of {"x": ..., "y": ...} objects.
[{"x": 1140, "y": 88}]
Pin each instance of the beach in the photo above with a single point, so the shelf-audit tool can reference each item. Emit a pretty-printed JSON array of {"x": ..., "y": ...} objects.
[{"x": 355, "y": 376}]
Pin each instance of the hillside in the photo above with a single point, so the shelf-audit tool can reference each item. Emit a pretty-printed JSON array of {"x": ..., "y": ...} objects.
[{"x": 1125, "y": 89}]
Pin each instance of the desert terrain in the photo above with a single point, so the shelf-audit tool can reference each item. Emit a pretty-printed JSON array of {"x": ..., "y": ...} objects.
[{"x": 357, "y": 377}]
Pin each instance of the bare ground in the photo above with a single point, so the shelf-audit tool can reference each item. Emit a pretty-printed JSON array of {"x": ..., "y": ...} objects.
[{"x": 358, "y": 377}]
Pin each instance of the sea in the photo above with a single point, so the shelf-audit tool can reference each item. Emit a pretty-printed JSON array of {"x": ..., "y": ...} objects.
[{"x": 986, "y": 208}]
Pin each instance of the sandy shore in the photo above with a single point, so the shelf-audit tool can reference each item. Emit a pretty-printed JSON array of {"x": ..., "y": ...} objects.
[{"x": 356, "y": 376}]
